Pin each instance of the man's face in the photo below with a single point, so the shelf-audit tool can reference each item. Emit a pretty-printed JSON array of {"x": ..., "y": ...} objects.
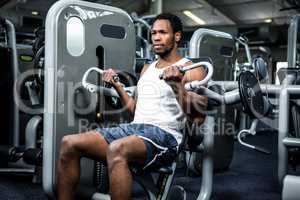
[{"x": 163, "y": 37}]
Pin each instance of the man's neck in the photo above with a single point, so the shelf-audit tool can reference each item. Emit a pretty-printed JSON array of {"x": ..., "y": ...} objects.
[{"x": 168, "y": 60}]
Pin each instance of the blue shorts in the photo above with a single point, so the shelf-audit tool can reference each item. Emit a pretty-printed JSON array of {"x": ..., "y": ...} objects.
[{"x": 161, "y": 145}]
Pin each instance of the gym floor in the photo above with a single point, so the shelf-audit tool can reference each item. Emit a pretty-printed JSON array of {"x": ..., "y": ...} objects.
[{"x": 252, "y": 176}]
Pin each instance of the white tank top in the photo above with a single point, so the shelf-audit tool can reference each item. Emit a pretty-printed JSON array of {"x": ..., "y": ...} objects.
[{"x": 157, "y": 104}]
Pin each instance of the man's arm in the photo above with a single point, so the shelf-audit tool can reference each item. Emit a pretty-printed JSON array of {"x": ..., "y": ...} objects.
[
  {"x": 144, "y": 69},
  {"x": 191, "y": 103},
  {"x": 195, "y": 102},
  {"x": 128, "y": 101}
]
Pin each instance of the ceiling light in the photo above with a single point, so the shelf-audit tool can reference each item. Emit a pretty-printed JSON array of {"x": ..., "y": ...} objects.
[
  {"x": 194, "y": 17},
  {"x": 268, "y": 20},
  {"x": 35, "y": 13}
]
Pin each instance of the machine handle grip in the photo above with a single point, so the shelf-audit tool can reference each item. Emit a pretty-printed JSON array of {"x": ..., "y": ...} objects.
[
  {"x": 195, "y": 84},
  {"x": 262, "y": 150},
  {"x": 90, "y": 86}
]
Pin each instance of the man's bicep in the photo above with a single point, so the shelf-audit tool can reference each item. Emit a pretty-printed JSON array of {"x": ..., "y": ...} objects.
[{"x": 196, "y": 74}]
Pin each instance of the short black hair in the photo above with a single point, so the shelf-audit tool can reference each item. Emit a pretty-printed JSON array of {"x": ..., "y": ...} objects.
[{"x": 174, "y": 20}]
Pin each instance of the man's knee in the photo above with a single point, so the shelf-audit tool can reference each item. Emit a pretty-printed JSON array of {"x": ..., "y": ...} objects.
[
  {"x": 116, "y": 153},
  {"x": 68, "y": 145}
]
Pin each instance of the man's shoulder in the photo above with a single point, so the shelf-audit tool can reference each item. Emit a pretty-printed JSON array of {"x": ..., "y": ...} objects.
[
  {"x": 145, "y": 67},
  {"x": 184, "y": 61}
]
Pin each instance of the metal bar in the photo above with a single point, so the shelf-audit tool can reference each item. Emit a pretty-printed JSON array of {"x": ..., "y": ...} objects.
[
  {"x": 293, "y": 90},
  {"x": 207, "y": 168},
  {"x": 283, "y": 127},
  {"x": 17, "y": 170},
  {"x": 291, "y": 142},
  {"x": 227, "y": 85},
  {"x": 291, "y": 185},
  {"x": 292, "y": 41},
  {"x": 100, "y": 196},
  {"x": 31, "y": 131},
  {"x": 282, "y": 133},
  {"x": 12, "y": 45},
  {"x": 198, "y": 36},
  {"x": 266, "y": 88},
  {"x": 271, "y": 89},
  {"x": 157, "y": 6},
  {"x": 244, "y": 41},
  {"x": 169, "y": 182}
]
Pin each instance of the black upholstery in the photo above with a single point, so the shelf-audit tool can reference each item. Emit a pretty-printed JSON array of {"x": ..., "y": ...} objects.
[{"x": 165, "y": 170}]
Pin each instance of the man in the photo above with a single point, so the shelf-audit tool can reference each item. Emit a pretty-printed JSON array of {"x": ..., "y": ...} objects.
[{"x": 160, "y": 111}]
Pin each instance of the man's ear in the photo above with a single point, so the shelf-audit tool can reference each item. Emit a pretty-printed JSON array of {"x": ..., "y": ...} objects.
[{"x": 177, "y": 36}]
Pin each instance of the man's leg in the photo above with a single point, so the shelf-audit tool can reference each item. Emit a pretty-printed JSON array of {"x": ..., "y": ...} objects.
[
  {"x": 73, "y": 147},
  {"x": 120, "y": 152}
]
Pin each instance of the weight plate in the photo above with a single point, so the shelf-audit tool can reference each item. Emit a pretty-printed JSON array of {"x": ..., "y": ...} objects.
[{"x": 251, "y": 95}]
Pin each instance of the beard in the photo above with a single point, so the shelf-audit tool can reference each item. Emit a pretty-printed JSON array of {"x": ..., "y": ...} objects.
[{"x": 166, "y": 51}]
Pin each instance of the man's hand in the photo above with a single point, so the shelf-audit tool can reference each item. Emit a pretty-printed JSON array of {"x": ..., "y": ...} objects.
[
  {"x": 174, "y": 77},
  {"x": 191, "y": 103},
  {"x": 172, "y": 74},
  {"x": 109, "y": 77}
]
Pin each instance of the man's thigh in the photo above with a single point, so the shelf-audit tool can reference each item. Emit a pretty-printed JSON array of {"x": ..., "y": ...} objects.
[
  {"x": 145, "y": 143},
  {"x": 132, "y": 147},
  {"x": 90, "y": 144}
]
